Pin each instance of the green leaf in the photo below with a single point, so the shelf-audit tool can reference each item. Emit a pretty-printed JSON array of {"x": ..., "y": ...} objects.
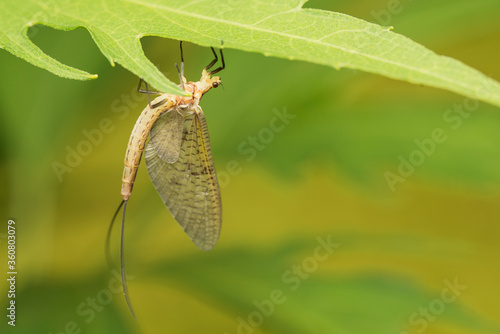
[
  {"x": 76, "y": 306},
  {"x": 280, "y": 29},
  {"x": 310, "y": 301}
]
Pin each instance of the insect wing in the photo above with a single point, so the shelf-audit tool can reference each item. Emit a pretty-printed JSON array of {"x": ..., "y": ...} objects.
[
  {"x": 166, "y": 136},
  {"x": 189, "y": 186}
]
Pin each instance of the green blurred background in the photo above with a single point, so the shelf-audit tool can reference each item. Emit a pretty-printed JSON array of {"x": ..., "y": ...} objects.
[{"x": 322, "y": 175}]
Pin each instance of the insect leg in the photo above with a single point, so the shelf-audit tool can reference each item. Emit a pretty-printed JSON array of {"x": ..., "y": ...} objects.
[
  {"x": 149, "y": 103},
  {"x": 146, "y": 91},
  {"x": 181, "y": 70},
  {"x": 212, "y": 63},
  {"x": 180, "y": 74},
  {"x": 182, "y": 61},
  {"x": 223, "y": 66}
]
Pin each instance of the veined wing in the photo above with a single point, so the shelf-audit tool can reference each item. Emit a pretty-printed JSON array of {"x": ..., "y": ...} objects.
[
  {"x": 188, "y": 186},
  {"x": 166, "y": 136}
]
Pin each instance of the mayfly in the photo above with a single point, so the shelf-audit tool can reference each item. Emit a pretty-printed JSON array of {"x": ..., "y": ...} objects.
[{"x": 178, "y": 159}]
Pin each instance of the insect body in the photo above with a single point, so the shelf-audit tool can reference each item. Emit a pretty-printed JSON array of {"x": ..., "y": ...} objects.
[{"x": 179, "y": 161}]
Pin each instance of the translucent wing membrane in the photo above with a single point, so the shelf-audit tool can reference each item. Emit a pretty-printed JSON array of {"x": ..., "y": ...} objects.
[
  {"x": 188, "y": 185},
  {"x": 166, "y": 136}
]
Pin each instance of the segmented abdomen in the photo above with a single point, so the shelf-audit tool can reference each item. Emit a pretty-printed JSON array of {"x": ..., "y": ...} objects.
[{"x": 138, "y": 139}]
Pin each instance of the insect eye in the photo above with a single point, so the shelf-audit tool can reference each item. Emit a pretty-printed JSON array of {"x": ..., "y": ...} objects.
[{"x": 215, "y": 84}]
